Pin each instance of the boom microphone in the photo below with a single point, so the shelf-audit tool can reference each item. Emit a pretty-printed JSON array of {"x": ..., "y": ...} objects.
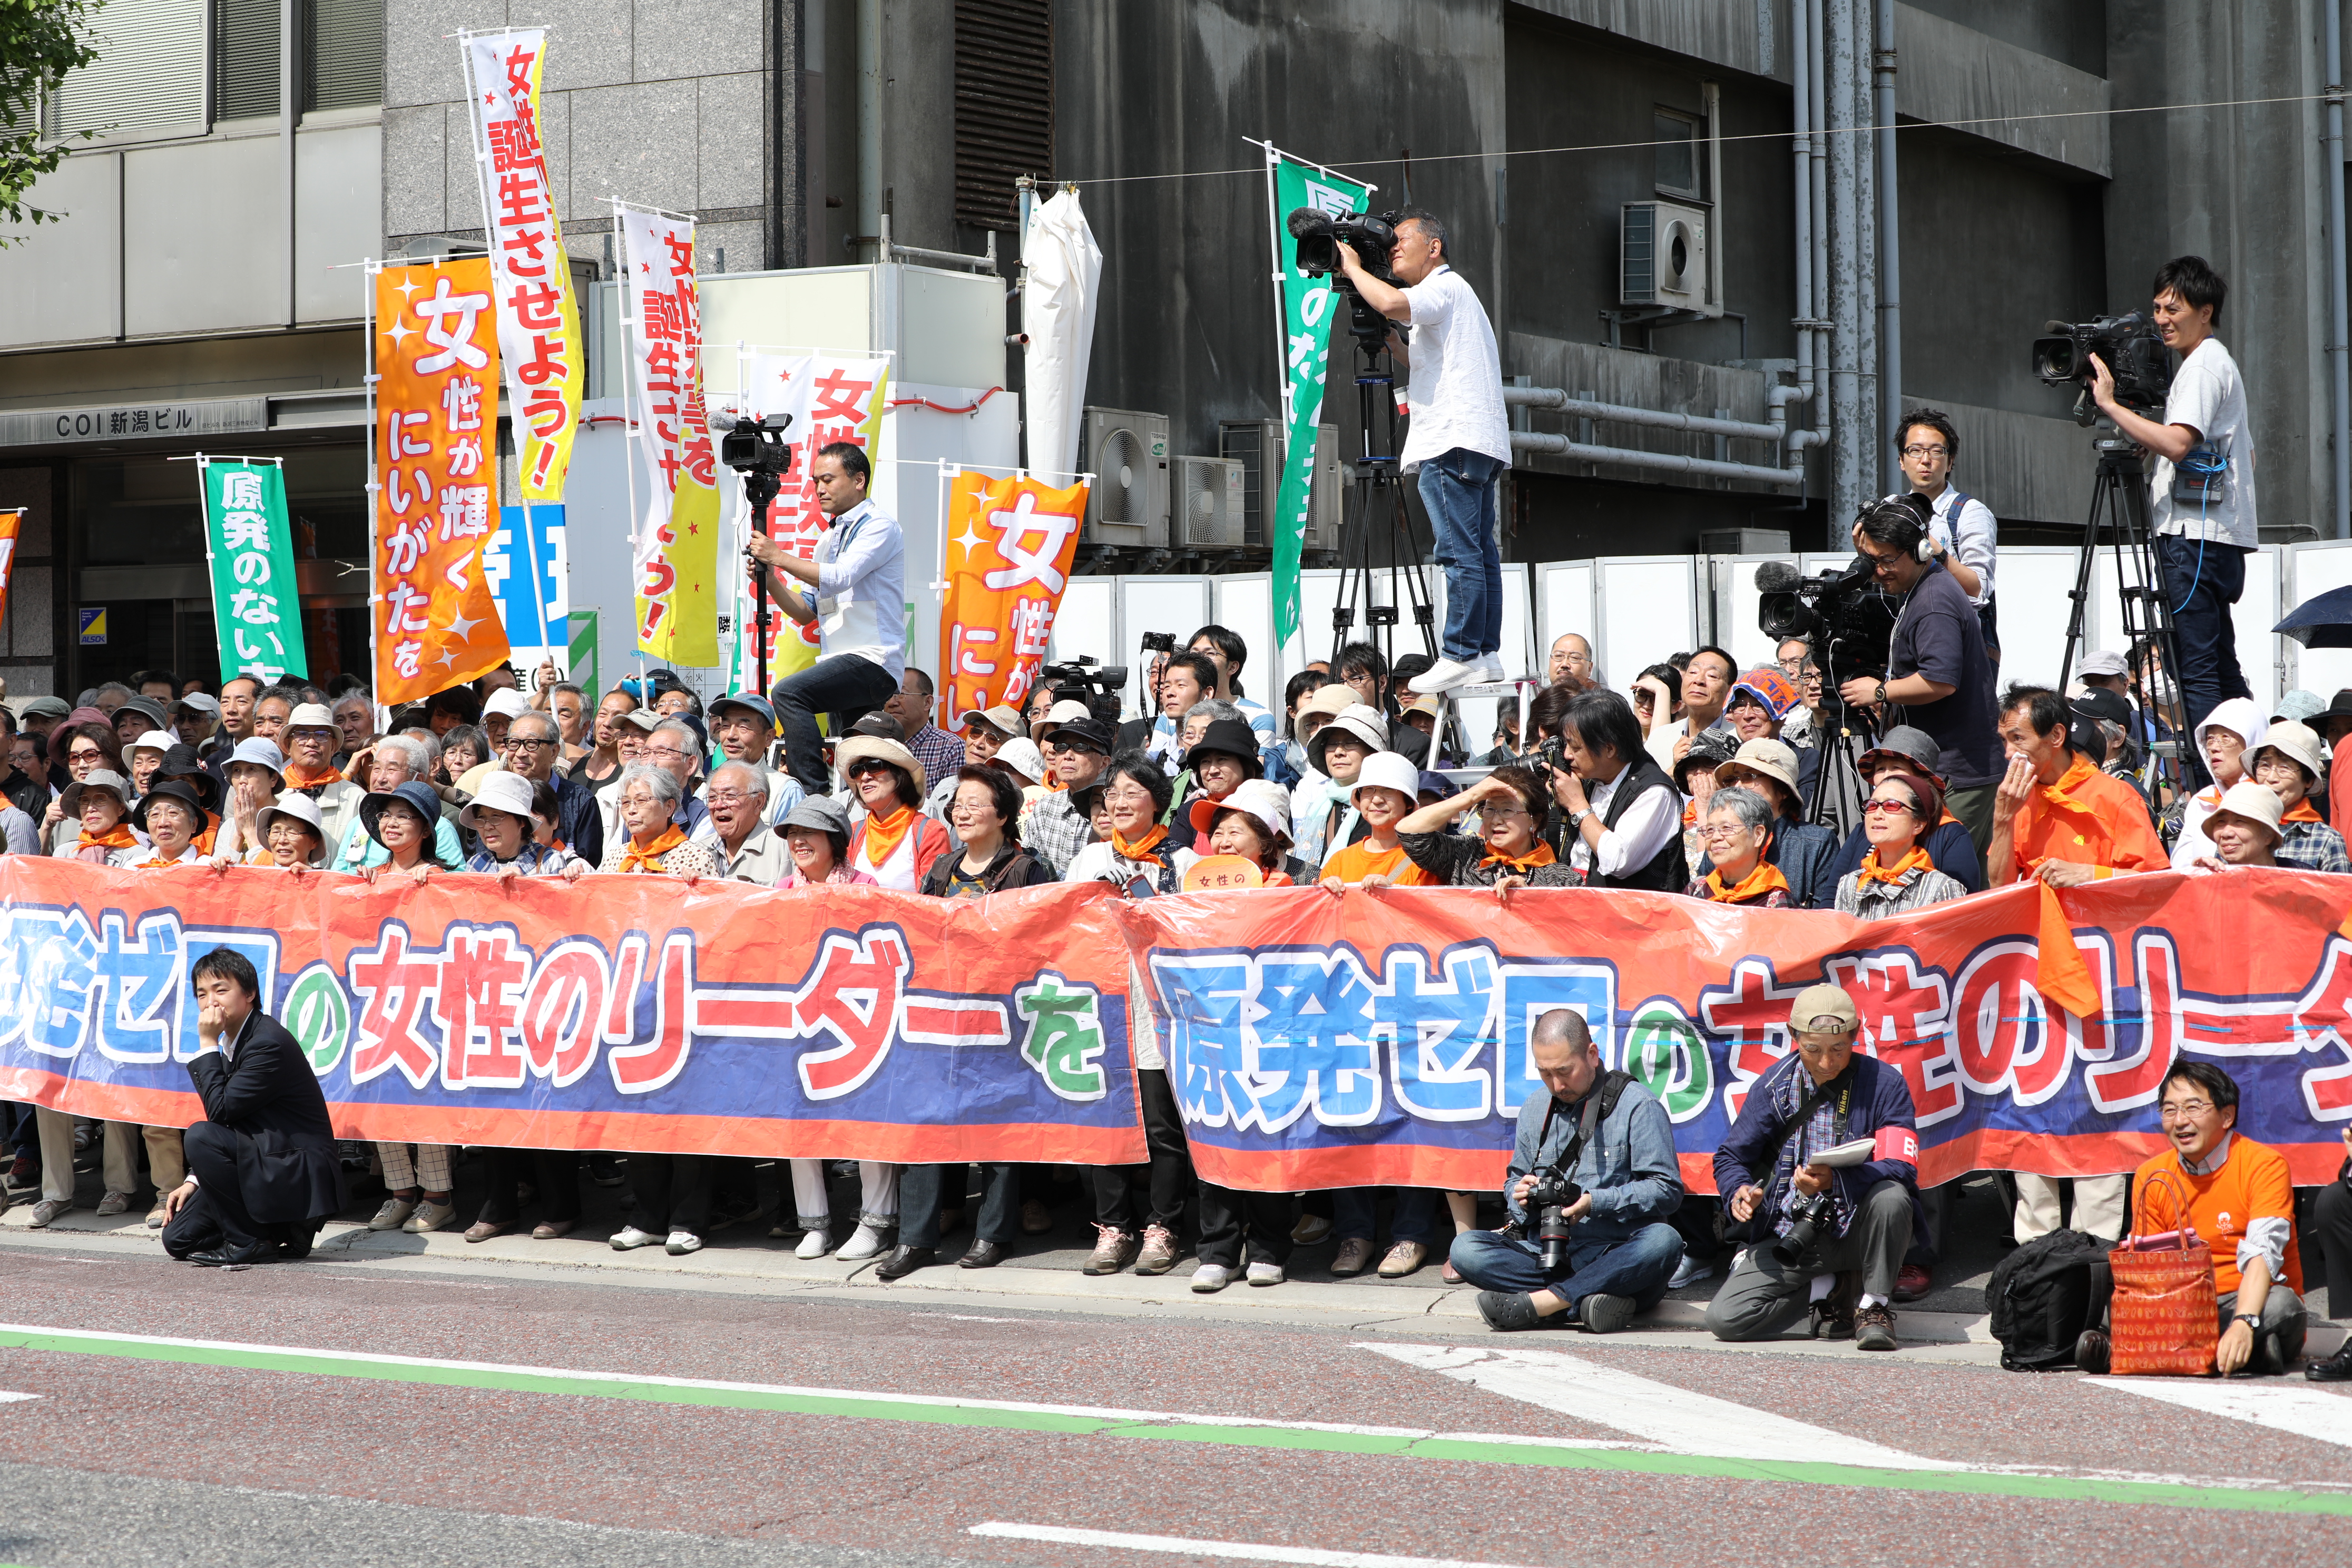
[{"x": 1776, "y": 577}]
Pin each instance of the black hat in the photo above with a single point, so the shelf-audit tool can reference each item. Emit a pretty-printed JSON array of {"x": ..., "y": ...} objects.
[
  {"x": 1091, "y": 733},
  {"x": 2340, "y": 708},
  {"x": 182, "y": 763},
  {"x": 168, "y": 789},
  {"x": 880, "y": 726},
  {"x": 1708, "y": 749},
  {"x": 1233, "y": 738},
  {"x": 2101, "y": 703},
  {"x": 2085, "y": 736}
]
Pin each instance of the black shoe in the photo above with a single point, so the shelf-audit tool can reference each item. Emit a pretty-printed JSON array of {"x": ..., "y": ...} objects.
[
  {"x": 904, "y": 1260},
  {"x": 1602, "y": 1313},
  {"x": 295, "y": 1248},
  {"x": 2337, "y": 1368},
  {"x": 2092, "y": 1354},
  {"x": 233, "y": 1257},
  {"x": 1508, "y": 1312},
  {"x": 983, "y": 1254},
  {"x": 605, "y": 1170}
]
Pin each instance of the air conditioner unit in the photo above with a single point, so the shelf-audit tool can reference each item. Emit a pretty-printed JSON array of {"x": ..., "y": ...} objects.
[
  {"x": 1126, "y": 452},
  {"x": 1208, "y": 504},
  {"x": 1662, "y": 258},
  {"x": 1257, "y": 444}
]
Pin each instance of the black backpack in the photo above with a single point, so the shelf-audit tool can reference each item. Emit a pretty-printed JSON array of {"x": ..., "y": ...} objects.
[{"x": 2045, "y": 1294}]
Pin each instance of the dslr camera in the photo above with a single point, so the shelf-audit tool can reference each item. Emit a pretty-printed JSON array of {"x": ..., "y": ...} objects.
[
  {"x": 1550, "y": 1200},
  {"x": 1810, "y": 1214},
  {"x": 2132, "y": 349},
  {"x": 1318, "y": 235},
  {"x": 1084, "y": 680}
]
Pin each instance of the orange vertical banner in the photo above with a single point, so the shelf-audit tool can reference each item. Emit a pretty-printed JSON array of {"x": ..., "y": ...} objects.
[
  {"x": 1010, "y": 545},
  {"x": 436, "y": 428},
  {"x": 10, "y": 521}
]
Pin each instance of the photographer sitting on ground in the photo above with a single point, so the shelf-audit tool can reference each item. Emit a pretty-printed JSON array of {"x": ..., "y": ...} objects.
[
  {"x": 1830, "y": 1236},
  {"x": 1596, "y": 1250}
]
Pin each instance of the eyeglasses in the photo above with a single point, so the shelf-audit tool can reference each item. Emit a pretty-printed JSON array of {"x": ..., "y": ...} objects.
[
  {"x": 2186, "y": 1110},
  {"x": 666, "y": 752},
  {"x": 1575, "y": 658},
  {"x": 1882, "y": 807},
  {"x": 534, "y": 743},
  {"x": 1721, "y": 834},
  {"x": 1935, "y": 451},
  {"x": 84, "y": 755},
  {"x": 1501, "y": 813},
  {"x": 715, "y": 801}
]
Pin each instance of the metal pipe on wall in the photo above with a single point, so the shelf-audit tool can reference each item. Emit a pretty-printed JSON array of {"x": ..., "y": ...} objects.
[
  {"x": 1817, "y": 112},
  {"x": 2339, "y": 318},
  {"x": 1846, "y": 281},
  {"x": 1801, "y": 101},
  {"x": 1866, "y": 264},
  {"x": 869, "y": 118},
  {"x": 1890, "y": 252}
]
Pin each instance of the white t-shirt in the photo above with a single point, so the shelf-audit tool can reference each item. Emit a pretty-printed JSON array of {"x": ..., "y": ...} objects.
[
  {"x": 1973, "y": 536},
  {"x": 1456, "y": 391},
  {"x": 2208, "y": 397}
]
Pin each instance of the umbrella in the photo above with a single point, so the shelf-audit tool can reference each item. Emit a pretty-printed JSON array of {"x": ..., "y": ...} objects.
[{"x": 2324, "y": 622}]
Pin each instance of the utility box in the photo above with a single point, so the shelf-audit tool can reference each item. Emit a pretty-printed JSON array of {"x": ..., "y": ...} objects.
[
  {"x": 1258, "y": 445},
  {"x": 1662, "y": 258},
  {"x": 1746, "y": 541},
  {"x": 1126, "y": 452},
  {"x": 1206, "y": 515}
]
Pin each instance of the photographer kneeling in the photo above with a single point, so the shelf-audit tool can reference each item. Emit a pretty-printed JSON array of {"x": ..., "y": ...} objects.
[
  {"x": 1594, "y": 1161},
  {"x": 1832, "y": 1236}
]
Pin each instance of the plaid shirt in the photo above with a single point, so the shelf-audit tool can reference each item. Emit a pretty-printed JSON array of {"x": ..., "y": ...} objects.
[
  {"x": 2313, "y": 846},
  {"x": 940, "y": 753},
  {"x": 1054, "y": 832}
]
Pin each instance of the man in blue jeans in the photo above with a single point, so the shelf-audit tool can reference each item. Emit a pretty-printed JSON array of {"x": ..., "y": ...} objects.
[
  {"x": 1612, "y": 1138},
  {"x": 854, "y": 590},
  {"x": 2202, "y": 493},
  {"x": 1458, "y": 441}
]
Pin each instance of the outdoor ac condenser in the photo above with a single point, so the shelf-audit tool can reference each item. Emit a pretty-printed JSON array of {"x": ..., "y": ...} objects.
[
  {"x": 1126, "y": 452},
  {"x": 1207, "y": 515},
  {"x": 1257, "y": 444},
  {"x": 1662, "y": 258}
]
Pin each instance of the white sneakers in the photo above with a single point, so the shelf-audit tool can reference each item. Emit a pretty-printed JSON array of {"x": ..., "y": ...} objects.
[
  {"x": 863, "y": 1242},
  {"x": 430, "y": 1215},
  {"x": 1211, "y": 1278},
  {"x": 1448, "y": 673},
  {"x": 682, "y": 1242},
  {"x": 815, "y": 1243},
  {"x": 629, "y": 1238},
  {"x": 1264, "y": 1273},
  {"x": 393, "y": 1215}
]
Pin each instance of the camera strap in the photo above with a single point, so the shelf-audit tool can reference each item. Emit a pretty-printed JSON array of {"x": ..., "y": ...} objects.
[{"x": 1598, "y": 1105}]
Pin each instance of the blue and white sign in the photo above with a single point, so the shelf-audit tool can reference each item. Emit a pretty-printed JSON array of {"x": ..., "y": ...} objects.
[{"x": 538, "y": 625}]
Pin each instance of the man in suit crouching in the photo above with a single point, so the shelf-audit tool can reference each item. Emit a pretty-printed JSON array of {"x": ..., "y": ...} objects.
[{"x": 262, "y": 1172}]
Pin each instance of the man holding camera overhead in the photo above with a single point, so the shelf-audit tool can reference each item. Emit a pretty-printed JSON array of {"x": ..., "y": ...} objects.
[
  {"x": 1458, "y": 442},
  {"x": 1821, "y": 1170},
  {"x": 1593, "y": 1176},
  {"x": 2203, "y": 491}
]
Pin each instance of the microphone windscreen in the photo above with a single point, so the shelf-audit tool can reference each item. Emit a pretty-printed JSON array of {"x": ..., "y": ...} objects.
[
  {"x": 1776, "y": 577},
  {"x": 1304, "y": 221}
]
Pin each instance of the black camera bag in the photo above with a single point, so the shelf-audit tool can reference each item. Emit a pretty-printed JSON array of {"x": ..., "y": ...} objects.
[{"x": 2045, "y": 1294}]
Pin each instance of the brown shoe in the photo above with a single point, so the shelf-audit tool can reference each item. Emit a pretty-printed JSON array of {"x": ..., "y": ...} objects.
[
  {"x": 1159, "y": 1249},
  {"x": 1355, "y": 1255},
  {"x": 1114, "y": 1250},
  {"x": 1833, "y": 1314},
  {"x": 549, "y": 1229},
  {"x": 1402, "y": 1260},
  {"x": 483, "y": 1229},
  {"x": 1876, "y": 1325},
  {"x": 1036, "y": 1219}
]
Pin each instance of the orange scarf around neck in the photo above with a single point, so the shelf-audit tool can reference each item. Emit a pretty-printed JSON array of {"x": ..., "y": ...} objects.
[
  {"x": 882, "y": 834},
  {"x": 1145, "y": 849},
  {"x": 648, "y": 857},
  {"x": 307, "y": 779},
  {"x": 1540, "y": 854},
  {"x": 1916, "y": 860},
  {"x": 118, "y": 836},
  {"x": 2301, "y": 811},
  {"x": 1752, "y": 888}
]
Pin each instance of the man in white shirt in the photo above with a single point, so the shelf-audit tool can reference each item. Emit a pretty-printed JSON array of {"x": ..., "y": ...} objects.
[
  {"x": 858, "y": 603},
  {"x": 1961, "y": 529},
  {"x": 2203, "y": 491},
  {"x": 1458, "y": 440}
]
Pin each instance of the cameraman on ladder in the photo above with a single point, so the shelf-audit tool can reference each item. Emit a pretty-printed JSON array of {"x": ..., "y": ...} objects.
[
  {"x": 1459, "y": 440},
  {"x": 2203, "y": 491}
]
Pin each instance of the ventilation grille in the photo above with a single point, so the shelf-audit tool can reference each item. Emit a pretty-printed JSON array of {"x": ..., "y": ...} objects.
[{"x": 1004, "y": 105}]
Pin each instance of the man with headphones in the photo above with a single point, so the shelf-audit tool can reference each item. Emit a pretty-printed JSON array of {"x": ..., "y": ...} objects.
[{"x": 1936, "y": 671}]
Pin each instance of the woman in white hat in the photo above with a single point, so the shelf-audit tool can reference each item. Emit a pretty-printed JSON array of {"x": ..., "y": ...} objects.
[
  {"x": 2288, "y": 763},
  {"x": 1322, "y": 816},
  {"x": 2226, "y": 739},
  {"x": 1253, "y": 822},
  {"x": 2244, "y": 828},
  {"x": 505, "y": 818},
  {"x": 255, "y": 773},
  {"x": 1387, "y": 789},
  {"x": 101, "y": 802},
  {"x": 895, "y": 843},
  {"x": 292, "y": 833}
]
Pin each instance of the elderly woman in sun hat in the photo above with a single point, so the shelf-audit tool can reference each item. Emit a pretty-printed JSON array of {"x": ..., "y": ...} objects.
[
  {"x": 1801, "y": 851},
  {"x": 2226, "y": 741},
  {"x": 100, "y": 804},
  {"x": 256, "y": 773},
  {"x": 292, "y": 834},
  {"x": 895, "y": 843},
  {"x": 2246, "y": 828},
  {"x": 2289, "y": 762},
  {"x": 1253, "y": 823}
]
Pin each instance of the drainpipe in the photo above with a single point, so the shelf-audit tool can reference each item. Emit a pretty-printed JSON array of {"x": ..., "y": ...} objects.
[
  {"x": 869, "y": 119},
  {"x": 2339, "y": 318},
  {"x": 1801, "y": 101},
  {"x": 1890, "y": 251},
  {"x": 1818, "y": 111},
  {"x": 1867, "y": 400},
  {"x": 1845, "y": 279}
]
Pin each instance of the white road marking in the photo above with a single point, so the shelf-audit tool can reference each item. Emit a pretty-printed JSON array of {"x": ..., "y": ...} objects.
[
  {"x": 1246, "y": 1551},
  {"x": 6, "y": 1396},
  {"x": 2301, "y": 1409},
  {"x": 967, "y": 1318},
  {"x": 1676, "y": 1419}
]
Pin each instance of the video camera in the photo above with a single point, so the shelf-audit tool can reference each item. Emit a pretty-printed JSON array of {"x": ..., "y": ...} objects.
[
  {"x": 1320, "y": 235},
  {"x": 757, "y": 445},
  {"x": 1846, "y": 619},
  {"x": 2132, "y": 349},
  {"x": 1083, "y": 680}
]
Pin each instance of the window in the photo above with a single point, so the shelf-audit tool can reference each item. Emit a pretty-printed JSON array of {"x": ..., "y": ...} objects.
[
  {"x": 149, "y": 77},
  {"x": 346, "y": 38},
  {"x": 1677, "y": 136},
  {"x": 245, "y": 59}
]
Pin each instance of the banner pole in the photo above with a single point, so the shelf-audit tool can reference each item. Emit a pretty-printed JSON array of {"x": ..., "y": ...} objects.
[
  {"x": 368, "y": 276},
  {"x": 629, "y": 436}
]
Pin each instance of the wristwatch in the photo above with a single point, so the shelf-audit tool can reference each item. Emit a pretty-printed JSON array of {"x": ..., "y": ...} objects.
[
  {"x": 1576, "y": 818},
  {"x": 1882, "y": 691}
]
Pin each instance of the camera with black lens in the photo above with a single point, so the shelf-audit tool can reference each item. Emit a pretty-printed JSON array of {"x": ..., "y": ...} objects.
[
  {"x": 1550, "y": 1199},
  {"x": 2129, "y": 345},
  {"x": 758, "y": 445},
  {"x": 1159, "y": 642},
  {"x": 1083, "y": 680},
  {"x": 1846, "y": 619},
  {"x": 1320, "y": 235},
  {"x": 1810, "y": 1214}
]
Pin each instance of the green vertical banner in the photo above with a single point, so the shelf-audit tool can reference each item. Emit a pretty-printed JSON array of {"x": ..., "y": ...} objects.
[
  {"x": 1309, "y": 307},
  {"x": 582, "y": 660},
  {"x": 250, "y": 548}
]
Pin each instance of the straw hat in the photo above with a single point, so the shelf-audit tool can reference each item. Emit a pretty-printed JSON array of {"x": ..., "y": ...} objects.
[{"x": 856, "y": 748}]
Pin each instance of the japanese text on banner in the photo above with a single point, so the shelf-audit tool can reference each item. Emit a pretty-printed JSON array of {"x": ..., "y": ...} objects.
[
  {"x": 676, "y": 547},
  {"x": 250, "y": 548},
  {"x": 538, "y": 314},
  {"x": 436, "y": 359},
  {"x": 831, "y": 397},
  {"x": 1010, "y": 545},
  {"x": 10, "y": 521}
]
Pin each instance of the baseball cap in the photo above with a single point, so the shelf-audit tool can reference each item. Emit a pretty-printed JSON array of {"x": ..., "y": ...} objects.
[
  {"x": 2102, "y": 661},
  {"x": 1821, "y": 1008}
]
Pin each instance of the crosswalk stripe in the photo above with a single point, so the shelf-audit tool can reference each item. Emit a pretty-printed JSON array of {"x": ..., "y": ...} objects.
[
  {"x": 2304, "y": 1411},
  {"x": 1310, "y": 1556},
  {"x": 1676, "y": 1419}
]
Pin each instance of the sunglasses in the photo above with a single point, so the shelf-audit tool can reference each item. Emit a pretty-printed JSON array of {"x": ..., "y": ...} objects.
[{"x": 866, "y": 767}]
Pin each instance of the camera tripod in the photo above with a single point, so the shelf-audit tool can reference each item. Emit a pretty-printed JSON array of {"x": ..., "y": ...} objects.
[
  {"x": 1375, "y": 500},
  {"x": 2119, "y": 505},
  {"x": 761, "y": 487}
]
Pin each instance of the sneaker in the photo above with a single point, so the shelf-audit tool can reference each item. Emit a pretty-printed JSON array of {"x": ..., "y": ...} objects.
[
  {"x": 1114, "y": 1250},
  {"x": 393, "y": 1215},
  {"x": 1159, "y": 1254},
  {"x": 430, "y": 1215},
  {"x": 1447, "y": 674},
  {"x": 24, "y": 1173},
  {"x": 1264, "y": 1273},
  {"x": 1604, "y": 1314},
  {"x": 816, "y": 1242},
  {"x": 1913, "y": 1283},
  {"x": 628, "y": 1239},
  {"x": 1310, "y": 1229},
  {"x": 1690, "y": 1271},
  {"x": 1833, "y": 1314},
  {"x": 1490, "y": 667},
  {"x": 156, "y": 1216},
  {"x": 1355, "y": 1255},
  {"x": 48, "y": 1209},
  {"x": 682, "y": 1242},
  {"x": 1875, "y": 1327},
  {"x": 1211, "y": 1278},
  {"x": 863, "y": 1242},
  {"x": 113, "y": 1204}
]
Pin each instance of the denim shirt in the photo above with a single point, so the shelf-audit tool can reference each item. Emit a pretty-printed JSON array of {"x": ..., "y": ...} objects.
[{"x": 1628, "y": 1165}]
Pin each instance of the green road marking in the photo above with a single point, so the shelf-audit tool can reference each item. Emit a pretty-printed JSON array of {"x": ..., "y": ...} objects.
[{"x": 1561, "y": 1455}]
